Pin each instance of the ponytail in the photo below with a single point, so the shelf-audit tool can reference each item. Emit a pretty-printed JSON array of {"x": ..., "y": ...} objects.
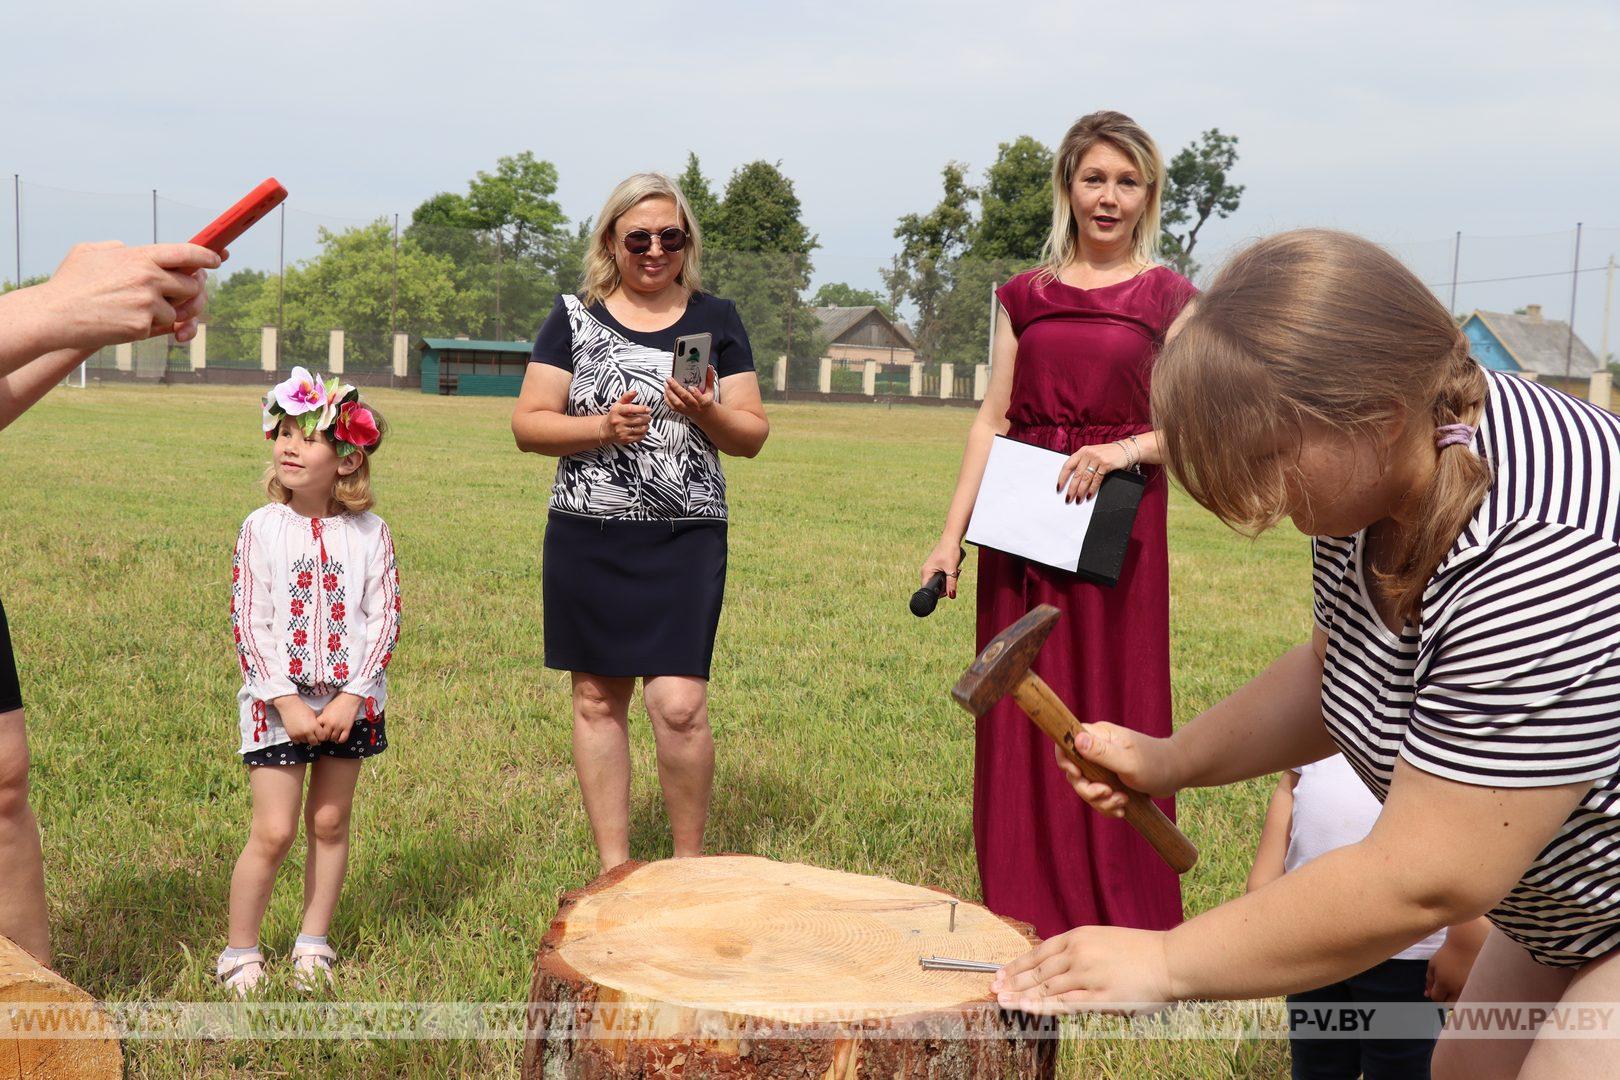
[{"x": 1461, "y": 479}]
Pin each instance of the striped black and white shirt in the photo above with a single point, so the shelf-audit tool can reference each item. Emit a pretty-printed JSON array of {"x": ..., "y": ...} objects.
[{"x": 1512, "y": 679}]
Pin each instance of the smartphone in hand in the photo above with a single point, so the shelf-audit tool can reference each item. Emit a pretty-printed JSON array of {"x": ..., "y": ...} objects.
[{"x": 692, "y": 360}]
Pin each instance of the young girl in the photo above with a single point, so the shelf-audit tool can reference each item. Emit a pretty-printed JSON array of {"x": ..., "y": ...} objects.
[
  {"x": 1317, "y": 808},
  {"x": 315, "y": 612}
]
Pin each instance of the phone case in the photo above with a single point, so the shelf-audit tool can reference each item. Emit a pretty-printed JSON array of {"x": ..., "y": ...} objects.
[{"x": 692, "y": 360}]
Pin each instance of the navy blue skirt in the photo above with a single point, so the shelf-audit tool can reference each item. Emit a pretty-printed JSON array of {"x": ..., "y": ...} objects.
[
  {"x": 10, "y": 689},
  {"x": 632, "y": 598}
]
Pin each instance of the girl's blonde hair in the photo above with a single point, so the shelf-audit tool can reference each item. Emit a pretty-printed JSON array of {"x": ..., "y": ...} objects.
[
  {"x": 1323, "y": 327},
  {"x": 353, "y": 492},
  {"x": 1125, "y": 135},
  {"x": 602, "y": 269}
]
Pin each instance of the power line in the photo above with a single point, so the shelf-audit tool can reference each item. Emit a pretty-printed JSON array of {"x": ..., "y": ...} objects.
[{"x": 1515, "y": 277}]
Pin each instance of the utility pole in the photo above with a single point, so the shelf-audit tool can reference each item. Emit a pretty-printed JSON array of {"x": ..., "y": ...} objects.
[
  {"x": 1608, "y": 302},
  {"x": 281, "y": 280},
  {"x": 1456, "y": 259},
  {"x": 393, "y": 303},
  {"x": 1574, "y": 279}
]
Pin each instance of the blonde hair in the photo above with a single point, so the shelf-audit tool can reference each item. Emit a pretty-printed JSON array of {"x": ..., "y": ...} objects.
[
  {"x": 1319, "y": 326},
  {"x": 352, "y": 492},
  {"x": 602, "y": 269},
  {"x": 1125, "y": 135}
]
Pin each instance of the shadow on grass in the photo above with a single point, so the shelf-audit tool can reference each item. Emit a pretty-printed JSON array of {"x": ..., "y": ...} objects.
[
  {"x": 123, "y": 936},
  {"x": 755, "y": 806}
]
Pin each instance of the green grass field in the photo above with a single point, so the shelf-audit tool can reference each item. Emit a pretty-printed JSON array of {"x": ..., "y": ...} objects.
[{"x": 838, "y": 744}]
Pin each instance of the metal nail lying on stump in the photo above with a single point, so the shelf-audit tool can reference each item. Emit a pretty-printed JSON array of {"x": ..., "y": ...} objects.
[{"x": 1004, "y": 668}]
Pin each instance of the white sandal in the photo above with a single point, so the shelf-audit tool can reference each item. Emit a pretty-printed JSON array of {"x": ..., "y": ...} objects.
[
  {"x": 242, "y": 975},
  {"x": 312, "y": 966}
]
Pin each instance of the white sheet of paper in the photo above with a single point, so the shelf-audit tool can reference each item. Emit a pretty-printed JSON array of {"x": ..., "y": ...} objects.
[{"x": 1020, "y": 510}]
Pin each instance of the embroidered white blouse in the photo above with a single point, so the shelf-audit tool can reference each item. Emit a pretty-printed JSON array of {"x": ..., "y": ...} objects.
[{"x": 315, "y": 611}]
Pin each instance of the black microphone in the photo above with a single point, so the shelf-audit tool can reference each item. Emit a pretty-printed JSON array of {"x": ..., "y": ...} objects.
[{"x": 926, "y": 598}]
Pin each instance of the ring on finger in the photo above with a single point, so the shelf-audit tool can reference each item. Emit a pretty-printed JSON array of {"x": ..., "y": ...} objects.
[{"x": 1091, "y": 468}]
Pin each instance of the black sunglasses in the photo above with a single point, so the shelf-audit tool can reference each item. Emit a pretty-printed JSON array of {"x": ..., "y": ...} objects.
[{"x": 639, "y": 241}]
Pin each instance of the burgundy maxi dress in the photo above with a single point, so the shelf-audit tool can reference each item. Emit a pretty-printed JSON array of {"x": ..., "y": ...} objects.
[{"x": 1081, "y": 377}]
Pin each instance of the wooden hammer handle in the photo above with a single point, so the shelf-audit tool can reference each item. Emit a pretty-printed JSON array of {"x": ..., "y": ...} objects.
[{"x": 1053, "y": 717}]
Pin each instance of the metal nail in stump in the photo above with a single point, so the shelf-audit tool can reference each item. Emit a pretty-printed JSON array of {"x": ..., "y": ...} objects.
[
  {"x": 945, "y": 963},
  {"x": 953, "y": 915}
]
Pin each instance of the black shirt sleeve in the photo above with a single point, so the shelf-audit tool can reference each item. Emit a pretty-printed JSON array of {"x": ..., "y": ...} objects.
[
  {"x": 732, "y": 353},
  {"x": 555, "y": 343}
]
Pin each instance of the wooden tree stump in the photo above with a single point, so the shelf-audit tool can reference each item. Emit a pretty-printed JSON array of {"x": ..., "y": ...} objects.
[
  {"x": 734, "y": 966},
  {"x": 34, "y": 998}
]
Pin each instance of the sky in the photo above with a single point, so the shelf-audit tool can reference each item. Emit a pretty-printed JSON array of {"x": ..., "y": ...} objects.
[{"x": 1406, "y": 122}]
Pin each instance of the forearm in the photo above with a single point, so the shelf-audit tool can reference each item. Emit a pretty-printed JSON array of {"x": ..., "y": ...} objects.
[
  {"x": 1271, "y": 853},
  {"x": 1147, "y": 446},
  {"x": 1272, "y": 723},
  {"x": 980, "y": 438},
  {"x": 1333, "y": 917},
  {"x": 738, "y": 432},
  {"x": 23, "y": 329},
  {"x": 21, "y": 389},
  {"x": 558, "y": 434}
]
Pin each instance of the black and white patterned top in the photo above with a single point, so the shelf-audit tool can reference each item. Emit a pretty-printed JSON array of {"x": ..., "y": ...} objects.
[
  {"x": 674, "y": 473},
  {"x": 1512, "y": 679}
]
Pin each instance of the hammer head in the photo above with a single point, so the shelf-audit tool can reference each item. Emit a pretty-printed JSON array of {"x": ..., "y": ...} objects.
[{"x": 1004, "y": 661}]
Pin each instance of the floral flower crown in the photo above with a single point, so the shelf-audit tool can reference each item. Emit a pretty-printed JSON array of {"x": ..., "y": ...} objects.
[{"x": 321, "y": 405}]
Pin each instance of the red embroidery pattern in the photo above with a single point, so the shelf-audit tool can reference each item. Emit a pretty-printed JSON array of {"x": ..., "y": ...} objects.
[{"x": 261, "y": 722}]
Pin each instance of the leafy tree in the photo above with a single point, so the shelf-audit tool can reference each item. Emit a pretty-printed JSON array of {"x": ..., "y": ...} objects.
[
  {"x": 757, "y": 254},
  {"x": 1196, "y": 188},
  {"x": 699, "y": 195},
  {"x": 934, "y": 272},
  {"x": 509, "y": 242},
  {"x": 7, "y": 285},
  {"x": 1015, "y": 203},
  {"x": 350, "y": 286},
  {"x": 839, "y": 294}
]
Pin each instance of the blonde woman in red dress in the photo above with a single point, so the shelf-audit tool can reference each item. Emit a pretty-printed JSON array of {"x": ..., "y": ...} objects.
[{"x": 1075, "y": 340}]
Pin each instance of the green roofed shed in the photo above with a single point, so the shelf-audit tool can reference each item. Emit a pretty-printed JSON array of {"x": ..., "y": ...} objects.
[{"x": 482, "y": 368}]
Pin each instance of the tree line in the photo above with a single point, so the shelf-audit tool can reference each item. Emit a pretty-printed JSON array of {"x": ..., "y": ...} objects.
[{"x": 488, "y": 262}]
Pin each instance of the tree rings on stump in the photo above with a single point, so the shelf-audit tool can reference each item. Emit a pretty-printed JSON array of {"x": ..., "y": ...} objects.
[{"x": 734, "y": 966}]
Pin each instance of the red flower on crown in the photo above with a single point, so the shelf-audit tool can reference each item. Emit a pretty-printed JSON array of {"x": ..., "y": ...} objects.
[{"x": 356, "y": 425}]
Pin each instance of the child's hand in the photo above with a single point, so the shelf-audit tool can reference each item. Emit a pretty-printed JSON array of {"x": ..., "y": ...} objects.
[
  {"x": 302, "y": 725},
  {"x": 337, "y": 719},
  {"x": 1451, "y": 963}
]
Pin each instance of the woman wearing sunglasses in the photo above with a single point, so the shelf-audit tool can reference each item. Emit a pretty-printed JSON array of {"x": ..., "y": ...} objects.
[{"x": 634, "y": 566}]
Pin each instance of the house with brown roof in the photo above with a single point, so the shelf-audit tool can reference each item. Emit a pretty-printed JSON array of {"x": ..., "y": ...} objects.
[
  {"x": 855, "y": 335},
  {"x": 1529, "y": 344}
]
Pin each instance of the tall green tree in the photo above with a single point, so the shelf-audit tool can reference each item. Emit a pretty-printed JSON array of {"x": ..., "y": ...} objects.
[
  {"x": 699, "y": 195},
  {"x": 757, "y": 254},
  {"x": 1015, "y": 203},
  {"x": 1197, "y": 187},
  {"x": 509, "y": 241},
  {"x": 929, "y": 272}
]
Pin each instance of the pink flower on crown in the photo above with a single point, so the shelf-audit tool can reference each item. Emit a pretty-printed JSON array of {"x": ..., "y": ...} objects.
[
  {"x": 356, "y": 425},
  {"x": 301, "y": 393}
]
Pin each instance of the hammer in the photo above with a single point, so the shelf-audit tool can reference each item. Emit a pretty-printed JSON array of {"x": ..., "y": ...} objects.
[{"x": 1003, "y": 668}]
